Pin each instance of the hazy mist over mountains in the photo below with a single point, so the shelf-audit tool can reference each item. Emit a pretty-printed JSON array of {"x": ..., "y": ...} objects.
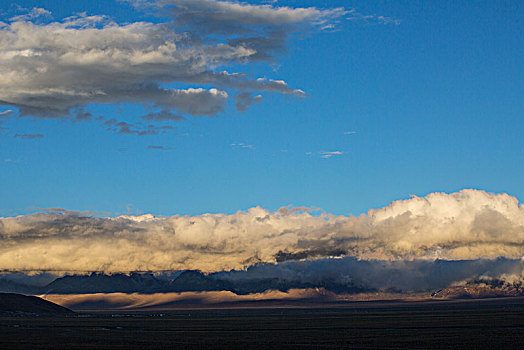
[{"x": 500, "y": 277}]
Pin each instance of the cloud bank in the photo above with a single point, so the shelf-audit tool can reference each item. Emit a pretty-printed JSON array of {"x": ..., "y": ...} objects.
[
  {"x": 469, "y": 224},
  {"x": 55, "y": 69},
  {"x": 350, "y": 275}
]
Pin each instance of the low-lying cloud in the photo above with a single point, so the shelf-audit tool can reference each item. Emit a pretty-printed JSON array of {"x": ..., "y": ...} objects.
[
  {"x": 469, "y": 224},
  {"x": 350, "y": 275}
]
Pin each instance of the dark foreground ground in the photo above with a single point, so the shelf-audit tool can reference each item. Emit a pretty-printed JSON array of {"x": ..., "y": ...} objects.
[{"x": 487, "y": 324}]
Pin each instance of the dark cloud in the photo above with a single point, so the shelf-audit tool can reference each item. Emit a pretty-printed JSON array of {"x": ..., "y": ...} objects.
[
  {"x": 125, "y": 128},
  {"x": 82, "y": 115},
  {"x": 163, "y": 116},
  {"x": 351, "y": 275},
  {"x": 244, "y": 100},
  {"x": 308, "y": 254}
]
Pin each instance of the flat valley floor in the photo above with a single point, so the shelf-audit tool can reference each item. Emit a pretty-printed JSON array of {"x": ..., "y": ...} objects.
[{"x": 470, "y": 324}]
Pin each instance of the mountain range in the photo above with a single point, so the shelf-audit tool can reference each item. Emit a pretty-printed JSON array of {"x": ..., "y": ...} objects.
[
  {"x": 196, "y": 281},
  {"x": 186, "y": 281}
]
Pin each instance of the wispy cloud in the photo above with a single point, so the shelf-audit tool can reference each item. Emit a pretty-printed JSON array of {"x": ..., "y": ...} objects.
[
  {"x": 388, "y": 20},
  {"x": 58, "y": 210},
  {"x": 160, "y": 148},
  {"x": 354, "y": 15},
  {"x": 330, "y": 154},
  {"x": 350, "y": 132},
  {"x": 34, "y": 13},
  {"x": 163, "y": 116},
  {"x": 242, "y": 145},
  {"x": 29, "y": 136},
  {"x": 82, "y": 115},
  {"x": 325, "y": 154},
  {"x": 6, "y": 113},
  {"x": 124, "y": 128}
]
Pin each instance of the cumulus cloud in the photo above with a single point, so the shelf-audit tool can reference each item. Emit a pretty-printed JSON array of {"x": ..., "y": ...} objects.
[
  {"x": 54, "y": 69},
  {"x": 469, "y": 224}
]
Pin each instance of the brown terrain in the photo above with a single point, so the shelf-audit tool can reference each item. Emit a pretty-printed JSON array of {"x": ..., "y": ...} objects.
[{"x": 435, "y": 324}]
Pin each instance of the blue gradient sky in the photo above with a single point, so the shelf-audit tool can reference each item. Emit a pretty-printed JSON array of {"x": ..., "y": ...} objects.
[{"x": 432, "y": 103}]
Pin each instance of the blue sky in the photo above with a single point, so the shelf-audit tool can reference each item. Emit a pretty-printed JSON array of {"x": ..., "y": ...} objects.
[{"x": 428, "y": 99}]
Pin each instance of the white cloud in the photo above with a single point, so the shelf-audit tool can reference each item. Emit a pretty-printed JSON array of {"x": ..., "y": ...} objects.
[
  {"x": 469, "y": 224},
  {"x": 356, "y": 16},
  {"x": 34, "y": 13},
  {"x": 6, "y": 113},
  {"x": 330, "y": 154},
  {"x": 242, "y": 145},
  {"x": 230, "y": 15},
  {"x": 52, "y": 70}
]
